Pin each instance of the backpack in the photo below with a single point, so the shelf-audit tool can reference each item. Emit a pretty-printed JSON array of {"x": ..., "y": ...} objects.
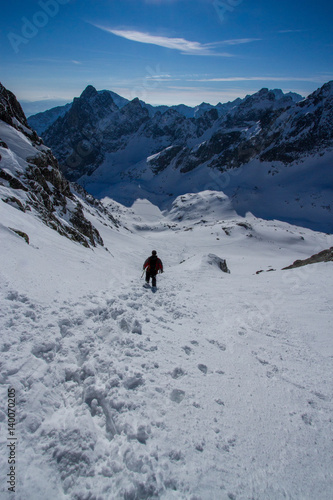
[
  {"x": 153, "y": 267},
  {"x": 153, "y": 264}
]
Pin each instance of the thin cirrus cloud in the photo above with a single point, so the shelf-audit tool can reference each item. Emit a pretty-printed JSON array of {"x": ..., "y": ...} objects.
[
  {"x": 262, "y": 78},
  {"x": 239, "y": 41},
  {"x": 186, "y": 47}
]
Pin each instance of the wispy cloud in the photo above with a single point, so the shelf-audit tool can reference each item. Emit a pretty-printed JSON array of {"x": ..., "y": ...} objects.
[
  {"x": 181, "y": 44},
  {"x": 160, "y": 2},
  {"x": 261, "y": 78},
  {"x": 291, "y": 31},
  {"x": 239, "y": 41},
  {"x": 52, "y": 60}
]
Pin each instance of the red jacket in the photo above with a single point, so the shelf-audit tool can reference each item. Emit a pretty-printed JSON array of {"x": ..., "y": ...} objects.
[{"x": 153, "y": 263}]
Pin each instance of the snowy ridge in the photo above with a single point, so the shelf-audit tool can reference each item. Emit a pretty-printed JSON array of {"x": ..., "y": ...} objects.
[
  {"x": 30, "y": 181},
  {"x": 42, "y": 121},
  {"x": 269, "y": 152}
]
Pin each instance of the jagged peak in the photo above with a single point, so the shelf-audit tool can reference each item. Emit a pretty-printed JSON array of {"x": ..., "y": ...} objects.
[
  {"x": 319, "y": 95},
  {"x": 89, "y": 92},
  {"x": 10, "y": 108},
  {"x": 278, "y": 93},
  {"x": 326, "y": 90},
  {"x": 172, "y": 112},
  {"x": 266, "y": 93},
  {"x": 136, "y": 106},
  {"x": 12, "y": 113},
  {"x": 135, "y": 102}
]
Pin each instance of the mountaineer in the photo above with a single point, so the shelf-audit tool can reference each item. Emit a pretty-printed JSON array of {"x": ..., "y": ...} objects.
[{"x": 152, "y": 265}]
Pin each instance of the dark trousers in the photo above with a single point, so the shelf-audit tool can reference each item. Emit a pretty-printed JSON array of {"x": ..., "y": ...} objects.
[{"x": 152, "y": 275}]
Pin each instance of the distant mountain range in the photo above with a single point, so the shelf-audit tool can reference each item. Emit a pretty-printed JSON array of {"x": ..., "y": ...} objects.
[
  {"x": 99, "y": 123},
  {"x": 41, "y": 121},
  {"x": 270, "y": 152}
]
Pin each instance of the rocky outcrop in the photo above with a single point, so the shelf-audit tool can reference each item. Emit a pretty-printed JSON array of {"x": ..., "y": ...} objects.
[
  {"x": 214, "y": 260},
  {"x": 307, "y": 128},
  {"x": 93, "y": 126},
  {"x": 12, "y": 113},
  {"x": 324, "y": 256},
  {"x": 10, "y": 108},
  {"x": 42, "y": 121},
  {"x": 33, "y": 182}
]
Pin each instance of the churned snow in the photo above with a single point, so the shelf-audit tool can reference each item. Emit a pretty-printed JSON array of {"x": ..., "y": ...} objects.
[{"x": 217, "y": 386}]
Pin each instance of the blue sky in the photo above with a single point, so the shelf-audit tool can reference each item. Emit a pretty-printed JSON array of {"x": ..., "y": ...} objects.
[{"x": 164, "y": 51}]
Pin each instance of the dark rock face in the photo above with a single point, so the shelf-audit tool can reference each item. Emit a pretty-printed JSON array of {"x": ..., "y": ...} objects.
[
  {"x": 163, "y": 159},
  {"x": 93, "y": 126},
  {"x": 10, "y": 108},
  {"x": 41, "y": 186},
  {"x": 324, "y": 256},
  {"x": 21, "y": 234},
  {"x": 309, "y": 127},
  {"x": 12, "y": 113},
  {"x": 42, "y": 121}
]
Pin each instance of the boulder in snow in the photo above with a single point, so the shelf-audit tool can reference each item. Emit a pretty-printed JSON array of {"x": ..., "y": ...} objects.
[{"x": 214, "y": 260}]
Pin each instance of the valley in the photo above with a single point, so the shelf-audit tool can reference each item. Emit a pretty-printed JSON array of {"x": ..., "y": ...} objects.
[{"x": 216, "y": 386}]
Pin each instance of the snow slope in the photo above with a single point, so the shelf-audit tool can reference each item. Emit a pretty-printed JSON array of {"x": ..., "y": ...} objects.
[
  {"x": 300, "y": 194},
  {"x": 216, "y": 387}
]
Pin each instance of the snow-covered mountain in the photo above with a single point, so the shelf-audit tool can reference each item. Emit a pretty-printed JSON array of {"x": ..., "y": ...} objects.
[
  {"x": 270, "y": 152},
  {"x": 42, "y": 121},
  {"x": 31, "y": 182},
  {"x": 98, "y": 123},
  {"x": 215, "y": 386}
]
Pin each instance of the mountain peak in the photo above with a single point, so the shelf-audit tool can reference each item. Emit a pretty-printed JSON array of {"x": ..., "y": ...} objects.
[
  {"x": 10, "y": 108},
  {"x": 135, "y": 107},
  {"x": 89, "y": 92},
  {"x": 327, "y": 89},
  {"x": 12, "y": 113},
  {"x": 324, "y": 93},
  {"x": 136, "y": 102}
]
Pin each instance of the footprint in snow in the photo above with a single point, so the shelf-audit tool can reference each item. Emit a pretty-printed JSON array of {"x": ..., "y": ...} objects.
[
  {"x": 177, "y": 373},
  {"x": 177, "y": 395},
  {"x": 116, "y": 312},
  {"x": 137, "y": 327},
  {"x": 187, "y": 349},
  {"x": 15, "y": 296},
  {"x": 203, "y": 368},
  {"x": 218, "y": 344},
  {"x": 124, "y": 325},
  {"x": 133, "y": 382}
]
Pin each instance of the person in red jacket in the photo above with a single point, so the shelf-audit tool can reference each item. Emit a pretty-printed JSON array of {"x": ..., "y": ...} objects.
[{"x": 152, "y": 265}]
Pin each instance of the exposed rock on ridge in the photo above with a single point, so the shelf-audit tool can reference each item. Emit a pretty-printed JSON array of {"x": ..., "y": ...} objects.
[
  {"x": 268, "y": 125},
  {"x": 93, "y": 126},
  {"x": 30, "y": 178},
  {"x": 323, "y": 256}
]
